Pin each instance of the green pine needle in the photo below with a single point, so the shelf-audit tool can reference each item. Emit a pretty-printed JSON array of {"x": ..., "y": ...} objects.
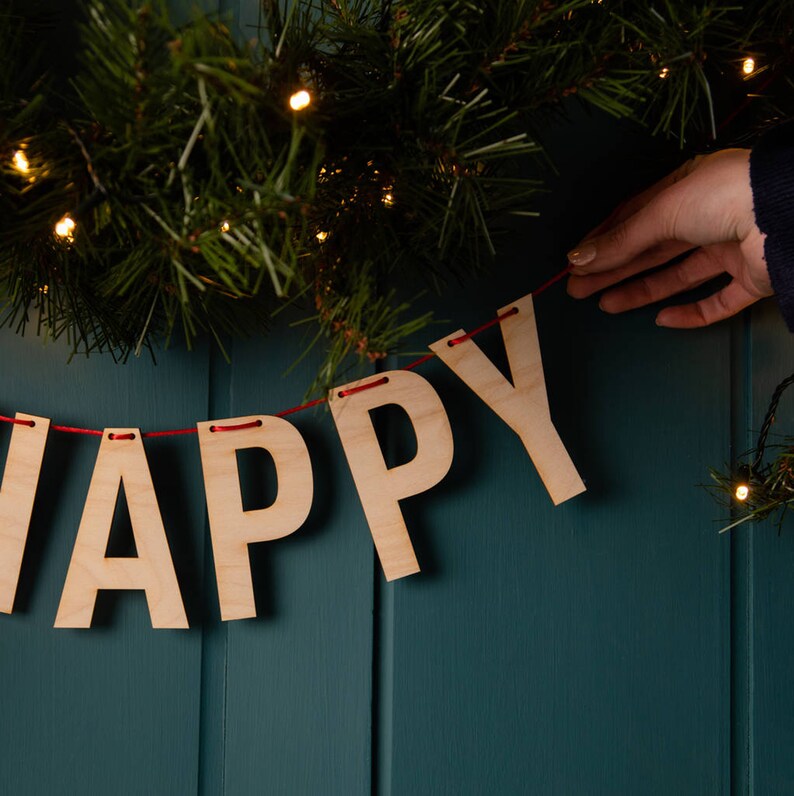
[{"x": 204, "y": 204}]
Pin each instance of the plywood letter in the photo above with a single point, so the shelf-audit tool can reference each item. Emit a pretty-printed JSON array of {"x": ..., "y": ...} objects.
[
  {"x": 121, "y": 459},
  {"x": 232, "y": 528},
  {"x": 18, "y": 491},
  {"x": 379, "y": 487},
  {"x": 523, "y": 405}
]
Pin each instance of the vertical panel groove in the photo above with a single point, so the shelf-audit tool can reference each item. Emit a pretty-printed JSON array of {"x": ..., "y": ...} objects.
[
  {"x": 770, "y": 700},
  {"x": 741, "y": 573},
  {"x": 214, "y": 641},
  {"x": 382, "y": 684},
  {"x": 382, "y": 662}
]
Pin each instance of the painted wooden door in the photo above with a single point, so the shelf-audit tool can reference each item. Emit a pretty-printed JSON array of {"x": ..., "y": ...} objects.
[{"x": 613, "y": 645}]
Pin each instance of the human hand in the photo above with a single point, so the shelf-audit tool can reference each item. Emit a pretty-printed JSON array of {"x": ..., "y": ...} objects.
[{"x": 705, "y": 205}]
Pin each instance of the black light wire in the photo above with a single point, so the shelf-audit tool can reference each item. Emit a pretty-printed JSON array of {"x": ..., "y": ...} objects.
[{"x": 769, "y": 419}]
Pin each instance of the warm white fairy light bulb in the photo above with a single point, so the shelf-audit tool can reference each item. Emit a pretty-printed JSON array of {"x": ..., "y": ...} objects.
[
  {"x": 664, "y": 73},
  {"x": 65, "y": 228},
  {"x": 742, "y": 492},
  {"x": 322, "y": 236},
  {"x": 225, "y": 226},
  {"x": 21, "y": 163},
  {"x": 388, "y": 199},
  {"x": 748, "y": 66},
  {"x": 300, "y": 100}
]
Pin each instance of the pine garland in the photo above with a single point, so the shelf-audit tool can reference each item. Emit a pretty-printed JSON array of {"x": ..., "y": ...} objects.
[{"x": 168, "y": 186}]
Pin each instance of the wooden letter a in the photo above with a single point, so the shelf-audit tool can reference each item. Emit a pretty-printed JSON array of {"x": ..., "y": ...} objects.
[
  {"x": 523, "y": 405},
  {"x": 121, "y": 458}
]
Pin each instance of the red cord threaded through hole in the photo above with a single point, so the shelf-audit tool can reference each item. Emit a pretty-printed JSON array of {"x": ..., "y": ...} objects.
[
  {"x": 362, "y": 387},
  {"x": 237, "y": 426},
  {"x": 17, "y": 421}
]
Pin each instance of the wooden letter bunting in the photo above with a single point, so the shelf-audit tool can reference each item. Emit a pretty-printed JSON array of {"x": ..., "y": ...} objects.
[{"x": 121, "y": 460}]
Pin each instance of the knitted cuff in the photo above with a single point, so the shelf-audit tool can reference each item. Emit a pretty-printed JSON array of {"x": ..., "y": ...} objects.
[{"x": 772, "y": 179}]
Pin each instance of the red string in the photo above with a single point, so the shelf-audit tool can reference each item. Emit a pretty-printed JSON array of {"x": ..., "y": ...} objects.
[
  {"x": 73, "y": 430},
  {"x": 17, "y": 421},
  {"x": 317, "y": 401},
  {"x": 421, "y": 361},
  {"x": 362, "y": 387},
  {"x": 172, "y": 433},
  {"x": 237, "y": 426},
  {"x": 553, "y": 281},
  {"x": 498, "y": 319}
]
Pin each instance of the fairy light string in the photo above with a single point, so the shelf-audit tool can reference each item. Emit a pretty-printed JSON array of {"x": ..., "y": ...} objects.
[
  {"x": 769, "y": 419},
  {"x": 749, "y": 477},
  {"x": 301, "y": 407},
  {"x": 759, "y": 489}
]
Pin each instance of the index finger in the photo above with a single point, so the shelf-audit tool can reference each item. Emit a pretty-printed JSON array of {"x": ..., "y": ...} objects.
[{"x": 626, "y": 240}]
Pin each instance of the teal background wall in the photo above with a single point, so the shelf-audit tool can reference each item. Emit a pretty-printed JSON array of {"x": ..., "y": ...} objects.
[{"x": 613, "y": 645}]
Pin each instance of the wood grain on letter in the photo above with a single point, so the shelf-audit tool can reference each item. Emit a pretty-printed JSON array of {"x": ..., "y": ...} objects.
[
  {"x": 379, "y": 487},
  {"x": 524, "y": 404},
  {"x": 232, "y": 528},
  {"x": 152, "y": 570},
  {"x": 18, "y": 491}
]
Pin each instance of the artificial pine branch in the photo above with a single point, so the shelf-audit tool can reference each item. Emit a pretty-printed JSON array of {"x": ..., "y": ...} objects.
[{"x": 201, "y": 201}]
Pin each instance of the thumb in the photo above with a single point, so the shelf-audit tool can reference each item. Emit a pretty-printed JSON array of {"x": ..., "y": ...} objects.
[{"x": 625, "y": 241}]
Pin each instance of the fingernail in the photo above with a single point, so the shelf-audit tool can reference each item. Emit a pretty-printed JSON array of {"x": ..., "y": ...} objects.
[
  {"x": 604, "y": 306},
  {"x": 583, "y": 255}
]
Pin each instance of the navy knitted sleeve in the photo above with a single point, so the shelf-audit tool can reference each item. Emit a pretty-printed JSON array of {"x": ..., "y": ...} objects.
[{"x": 772, "y": 179}]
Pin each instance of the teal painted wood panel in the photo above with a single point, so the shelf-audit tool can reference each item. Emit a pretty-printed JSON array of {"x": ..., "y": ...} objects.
[
  {"x": 581, "y": 649},
  {"x": 113, "y": 709},
  {"x": 577, "y": 649},
  {"x": 298, "y": 678},
  {"x": 769, "y": 581}
]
